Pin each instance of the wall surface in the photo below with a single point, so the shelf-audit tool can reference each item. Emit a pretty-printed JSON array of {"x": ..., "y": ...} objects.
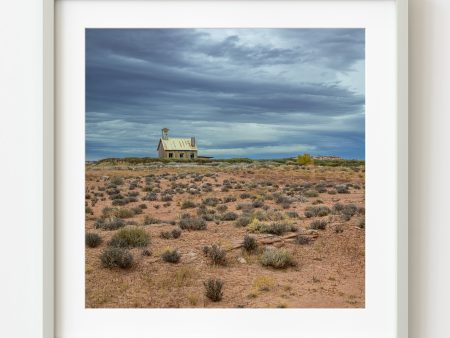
[
  {"x": 21, "y": 169},
  {"x": 429, "y": 168}
]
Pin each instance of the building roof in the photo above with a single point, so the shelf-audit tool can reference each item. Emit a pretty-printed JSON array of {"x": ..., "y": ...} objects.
[{"x": 175, "y": 143}]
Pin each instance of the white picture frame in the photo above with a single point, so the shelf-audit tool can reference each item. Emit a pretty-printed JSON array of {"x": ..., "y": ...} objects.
[{"x": 401, "y": 165}]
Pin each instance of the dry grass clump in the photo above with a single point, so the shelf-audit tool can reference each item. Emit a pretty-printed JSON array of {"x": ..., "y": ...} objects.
[
  {"x": 264, "y": 283},
  {"x": 213, "y": 289},
  {"x": 276, "y": 258},
  {"x": 116, "y": 257},
  {"x": 92, "y": 240},
  {"x": 131, "y": 237}
]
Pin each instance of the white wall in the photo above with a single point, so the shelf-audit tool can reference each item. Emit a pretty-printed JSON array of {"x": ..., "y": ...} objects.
[
  {"x": 21, "y": 163},
  {"x": 21, "y": 168},
  {"x": 429, "y": 262}
]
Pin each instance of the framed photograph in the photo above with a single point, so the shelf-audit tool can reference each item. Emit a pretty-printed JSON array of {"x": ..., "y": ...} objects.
[{"x": 239, "y": 165}]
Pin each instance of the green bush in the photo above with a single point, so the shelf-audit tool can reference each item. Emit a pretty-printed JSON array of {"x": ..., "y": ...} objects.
[
  {"x": 276, "y": 258},
  {"x": 116, "y": 257},
  {"x": 213, "y": 289},
  {"x": 92, "y": 240},
  {"x": 131, "y": 237}
]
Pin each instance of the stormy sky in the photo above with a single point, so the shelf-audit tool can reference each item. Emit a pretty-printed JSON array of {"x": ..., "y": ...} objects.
[{"x": 258, "y": 93}]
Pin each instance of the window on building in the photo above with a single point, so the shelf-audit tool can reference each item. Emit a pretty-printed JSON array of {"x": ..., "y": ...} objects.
[
  {"x": 170, "y": 155},
  {"x": 181, "y": 155},
  {"x": 192, "y": 155}
]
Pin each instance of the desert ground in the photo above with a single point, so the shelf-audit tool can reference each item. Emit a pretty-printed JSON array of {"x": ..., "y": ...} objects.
[{"x": 171, "y": 235}]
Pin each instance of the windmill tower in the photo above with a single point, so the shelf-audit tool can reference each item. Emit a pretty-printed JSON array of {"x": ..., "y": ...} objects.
[{"x": 165, "y": 133}]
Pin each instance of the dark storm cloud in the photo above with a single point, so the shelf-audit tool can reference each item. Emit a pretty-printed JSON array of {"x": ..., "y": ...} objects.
[{"x": 258, "y": 93}]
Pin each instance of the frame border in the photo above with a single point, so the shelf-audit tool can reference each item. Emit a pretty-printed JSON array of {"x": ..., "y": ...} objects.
[{"x": 48, "y": 253}]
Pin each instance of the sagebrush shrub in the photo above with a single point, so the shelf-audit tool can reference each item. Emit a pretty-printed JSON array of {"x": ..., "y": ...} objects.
[
  {"x": 229, "y": 199},
  {"x": 188, "y": 204},
  {"x": 258, "y": 204},
  {"x": 216, "y": 254},
  {"x": 116, "y": 180},
  {"x": 276, "y": 258},
  {"x": 130, "y": 238},
  {"x": 342, "y": 189},
  {"x": 317, "y": 211},
  {"x": 229, "y": 216},
  {"x": 116, "y": 257},
  {"x": 213, "y": 289},
  {"x": 292, "y": 214},
  {"x": 109, "y": 223},
  {"x": 92, "y": 240},
  {"x": 302, "y": 240},
  {"x": 192, "y": 224},
  {"x": 175, "y": 233},
  {"x": 171, "y": 256},
  {"x": 211, "y": 201},
  {"x": 318, "y": 225},
  {"x": 222, "y": 208},
  {"x": 275, "y": 228},
  {"x": 311, "y": 193},
  {"x": 243, "y": 220},
  {"x": 148, "y": 220},
  {"x": 250, "y": 243}
]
